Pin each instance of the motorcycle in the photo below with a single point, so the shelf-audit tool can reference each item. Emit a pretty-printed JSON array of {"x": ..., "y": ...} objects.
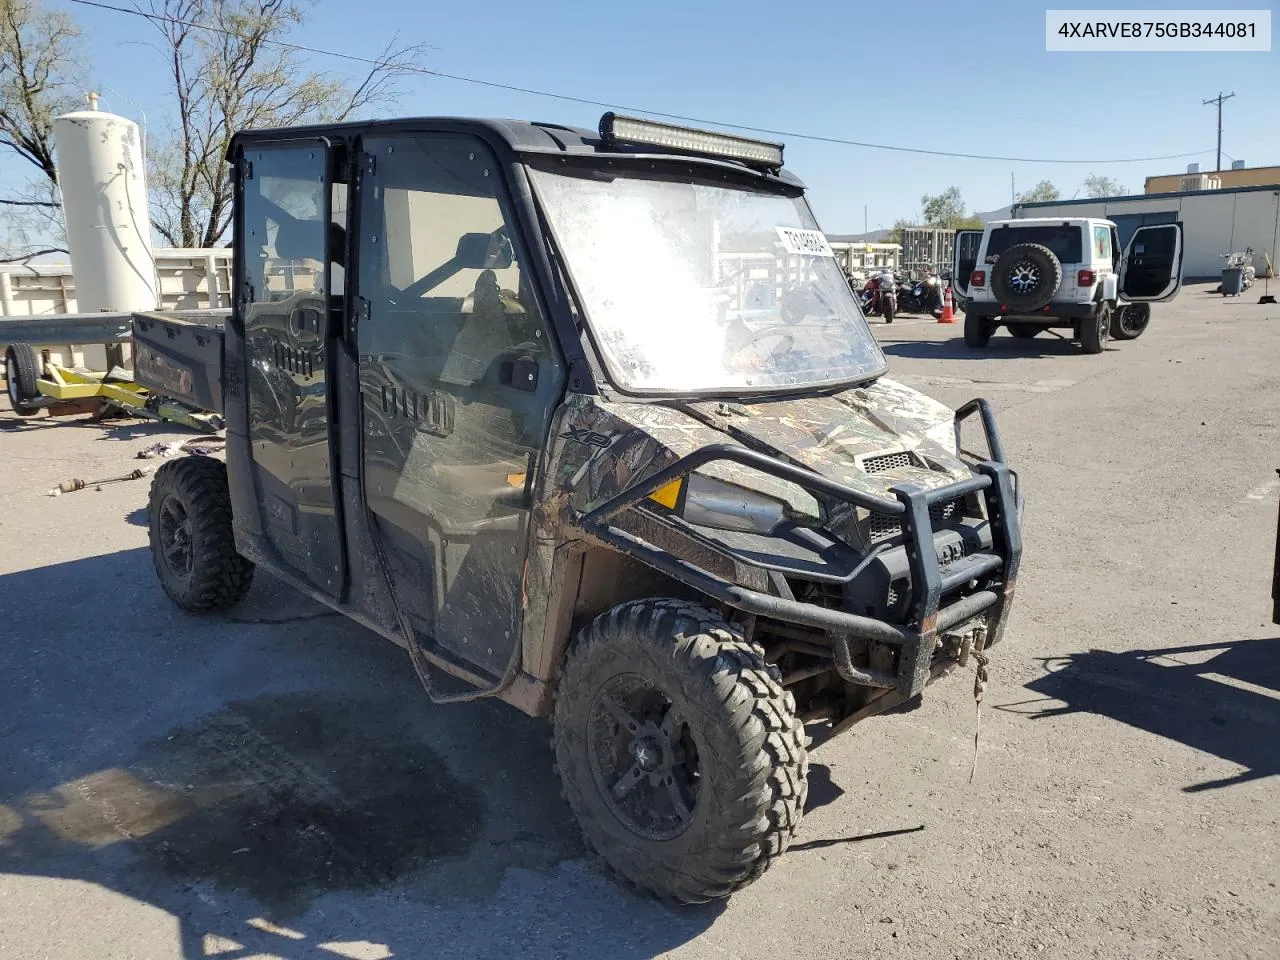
[
  {"x": 879, "y": 295},
  {"x": 922, "y": 296}
]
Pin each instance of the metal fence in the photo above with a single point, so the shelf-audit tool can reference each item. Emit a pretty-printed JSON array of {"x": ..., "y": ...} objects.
[
  {"x": 926, "y": 248},
  {"x": 862, "y": 258}
]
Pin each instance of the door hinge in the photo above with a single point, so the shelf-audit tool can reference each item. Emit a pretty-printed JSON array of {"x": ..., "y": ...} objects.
[
  {"x": 369, "y": 164},
  {"x": 358, "y": 316},
  {"x": 246, "y": 169}
]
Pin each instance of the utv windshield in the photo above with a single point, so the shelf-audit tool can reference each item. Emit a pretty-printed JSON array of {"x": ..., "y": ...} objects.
[{"x": 692, "y": 287}]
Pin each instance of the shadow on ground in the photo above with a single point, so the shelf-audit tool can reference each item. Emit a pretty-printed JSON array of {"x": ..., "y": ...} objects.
[
  {"x": 113, "y": 428},
  {"x": 1000, "y": 347},
  {"x": 281, "y": 769},
  {"x": 1222, "y": 699}
]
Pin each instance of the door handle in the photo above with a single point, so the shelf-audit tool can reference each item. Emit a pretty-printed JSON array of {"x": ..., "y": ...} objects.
[{"x": 521, "y": 374}]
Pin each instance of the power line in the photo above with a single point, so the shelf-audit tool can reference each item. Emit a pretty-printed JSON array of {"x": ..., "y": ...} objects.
[{"x": 493, "y": 84}]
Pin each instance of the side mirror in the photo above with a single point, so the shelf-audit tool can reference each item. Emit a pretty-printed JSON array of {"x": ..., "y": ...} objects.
[{"x": 484, "y": 251}]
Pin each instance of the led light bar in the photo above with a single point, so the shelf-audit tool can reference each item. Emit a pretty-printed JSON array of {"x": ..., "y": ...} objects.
[{"x": 633, "y": 131}]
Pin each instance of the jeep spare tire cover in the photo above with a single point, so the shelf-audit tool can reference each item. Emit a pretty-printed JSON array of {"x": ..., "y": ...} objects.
[{"x": 1026, "y": 276}]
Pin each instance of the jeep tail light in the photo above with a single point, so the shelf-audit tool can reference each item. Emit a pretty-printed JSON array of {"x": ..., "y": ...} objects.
[
  {"x": 1085, "y": 278},
  {"x": 978, "y": 278}
]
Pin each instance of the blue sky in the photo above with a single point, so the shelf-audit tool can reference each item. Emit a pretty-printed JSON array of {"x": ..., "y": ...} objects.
[{"x": 970, "y": 78}]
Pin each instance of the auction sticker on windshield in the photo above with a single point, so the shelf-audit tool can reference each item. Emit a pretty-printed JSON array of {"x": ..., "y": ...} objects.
[{"x": 805, "y": 243}]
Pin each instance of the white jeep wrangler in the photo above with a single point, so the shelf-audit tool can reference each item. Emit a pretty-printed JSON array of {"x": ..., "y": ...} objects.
[{"x": 1029, "y": 275}]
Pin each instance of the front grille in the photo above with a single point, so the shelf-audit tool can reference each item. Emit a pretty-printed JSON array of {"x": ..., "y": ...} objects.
[
  {"x": 888, "y": 461},
  {"x": 940, "y": 513},
  {"x": 885, "y": 527}
]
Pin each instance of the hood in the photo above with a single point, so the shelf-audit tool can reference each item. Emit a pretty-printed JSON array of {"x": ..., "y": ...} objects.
[{"x": 871, "y": 438}]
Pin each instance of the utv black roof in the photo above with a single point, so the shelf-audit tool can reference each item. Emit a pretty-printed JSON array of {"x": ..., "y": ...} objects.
[{"x": 518, "y": 136}]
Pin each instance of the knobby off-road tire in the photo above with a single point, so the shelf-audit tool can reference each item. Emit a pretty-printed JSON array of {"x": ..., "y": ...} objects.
[
  {"x": 1095, "y": 333},
  {"x": 192, "y": 546},
  {"x": 22, "y": 370},
  {"x": 1130, "y": 321},
  {"x": 717, "y": 714},
  {"x": 977, "y": 330},
  {"x": 1022, "y": 264}
]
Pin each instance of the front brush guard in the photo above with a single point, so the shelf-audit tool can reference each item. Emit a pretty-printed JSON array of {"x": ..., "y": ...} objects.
[{"x": 927, "y": 620}]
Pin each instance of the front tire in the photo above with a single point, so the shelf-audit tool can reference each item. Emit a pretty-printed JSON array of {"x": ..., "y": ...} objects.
[
  {"x": 679, "y": 750},
  {"x": 977, "y": 330},
  {"x": 1095, "y": 332},
  {"x": 1130, "y": 321},
  {"x": 192, "y": 545}
]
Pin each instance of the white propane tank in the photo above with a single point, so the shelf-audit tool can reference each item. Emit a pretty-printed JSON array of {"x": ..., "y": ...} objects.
[{"x": 104, "y": 204}]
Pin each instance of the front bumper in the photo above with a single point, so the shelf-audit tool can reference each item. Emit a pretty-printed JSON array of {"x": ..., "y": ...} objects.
[{"x": 928, "y": 619}]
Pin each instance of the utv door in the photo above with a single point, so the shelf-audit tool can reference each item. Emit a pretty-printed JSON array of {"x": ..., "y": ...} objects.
[
  {"x": 1152, "y": 266},
  {"x": 458, "y": 380},
  {"x": 283, "y": 237},
  {"x": 967, "y": 245}
]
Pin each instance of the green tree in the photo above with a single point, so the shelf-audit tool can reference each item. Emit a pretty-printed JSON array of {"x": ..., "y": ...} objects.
[
  {"x": 1042, "y": 192},
  {"x": 1095, "y": 185},
  {"x": 945, "y": 209}
]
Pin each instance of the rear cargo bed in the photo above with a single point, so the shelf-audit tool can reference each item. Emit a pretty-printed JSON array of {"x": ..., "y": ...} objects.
[{"x": 180, "y": 356}]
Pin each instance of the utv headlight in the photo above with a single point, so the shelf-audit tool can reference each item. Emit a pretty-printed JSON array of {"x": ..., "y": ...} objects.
[{"x": 722, "y": 506}]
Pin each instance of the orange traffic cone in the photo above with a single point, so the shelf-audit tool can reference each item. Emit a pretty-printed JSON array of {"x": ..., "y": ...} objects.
[{"x": 948, "y": 315}]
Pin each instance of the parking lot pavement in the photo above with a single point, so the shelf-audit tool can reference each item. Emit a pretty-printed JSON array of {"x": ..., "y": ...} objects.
[{"x": 273, "y": 782}]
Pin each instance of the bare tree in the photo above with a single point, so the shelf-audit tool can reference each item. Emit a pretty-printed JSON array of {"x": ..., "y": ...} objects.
[
  {"x": 232, "y": 68},
  {"x": 40, "y": 77}
]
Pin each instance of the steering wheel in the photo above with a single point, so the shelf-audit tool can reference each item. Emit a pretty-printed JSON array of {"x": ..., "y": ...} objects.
[
  {"x": 797, "y": 300},
  {"x": 785, "y": 341}
]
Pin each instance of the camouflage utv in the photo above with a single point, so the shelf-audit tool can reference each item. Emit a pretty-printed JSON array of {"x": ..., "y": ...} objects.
[{"x": 589, "y": 422}]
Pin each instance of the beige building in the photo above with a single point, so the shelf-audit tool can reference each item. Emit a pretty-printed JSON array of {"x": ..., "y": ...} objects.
[{"x": 1244, "y": 177}]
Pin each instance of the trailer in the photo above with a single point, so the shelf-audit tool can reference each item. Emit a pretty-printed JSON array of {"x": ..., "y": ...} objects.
[{"x": 35, "y": 380}]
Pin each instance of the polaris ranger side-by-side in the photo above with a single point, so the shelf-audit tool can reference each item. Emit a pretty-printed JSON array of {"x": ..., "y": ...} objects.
[{"x": 589, "y": 422}]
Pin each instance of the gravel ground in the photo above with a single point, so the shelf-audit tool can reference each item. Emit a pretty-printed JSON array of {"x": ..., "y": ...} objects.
[{"x": 273, "y": 782}]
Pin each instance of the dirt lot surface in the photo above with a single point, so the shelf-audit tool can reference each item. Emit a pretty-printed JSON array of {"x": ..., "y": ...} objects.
[{"x": 274, "y": 783}]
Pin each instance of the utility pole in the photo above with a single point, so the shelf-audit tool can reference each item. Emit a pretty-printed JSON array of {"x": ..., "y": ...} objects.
[
  {"x": 1013, "y": 191},
  {"x": 1219, "y": 100},
  {"x": 865, "y": 231}
]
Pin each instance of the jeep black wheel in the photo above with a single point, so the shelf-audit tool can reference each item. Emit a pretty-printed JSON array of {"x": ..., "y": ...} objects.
[
  {"x": 679, "y": 750},
  {"x": 977, "y": 330},
  {"x": 192, "y": 546},
  {"x": 1130, "y": 321},
  {"x": 21, "y": 371},
  {"x": 1026, "y": 277},
  {"x": 1094, "y": 332},
  {"x": 1023, "y": 331}
]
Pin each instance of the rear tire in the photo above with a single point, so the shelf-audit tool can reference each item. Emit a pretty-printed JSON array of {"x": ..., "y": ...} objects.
[
  {"x": 1026, "y": 277},
  {"x": 22, "y": 370},
  {"x": 1095, "y": 332},
  {"x": 679, "y": 750},
  {"x": 977, "y": 330},
  {"x": 192, "y": 544},
  {"x": 1130, "y": 321},
  {"x": 1023, "y": 331}
]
